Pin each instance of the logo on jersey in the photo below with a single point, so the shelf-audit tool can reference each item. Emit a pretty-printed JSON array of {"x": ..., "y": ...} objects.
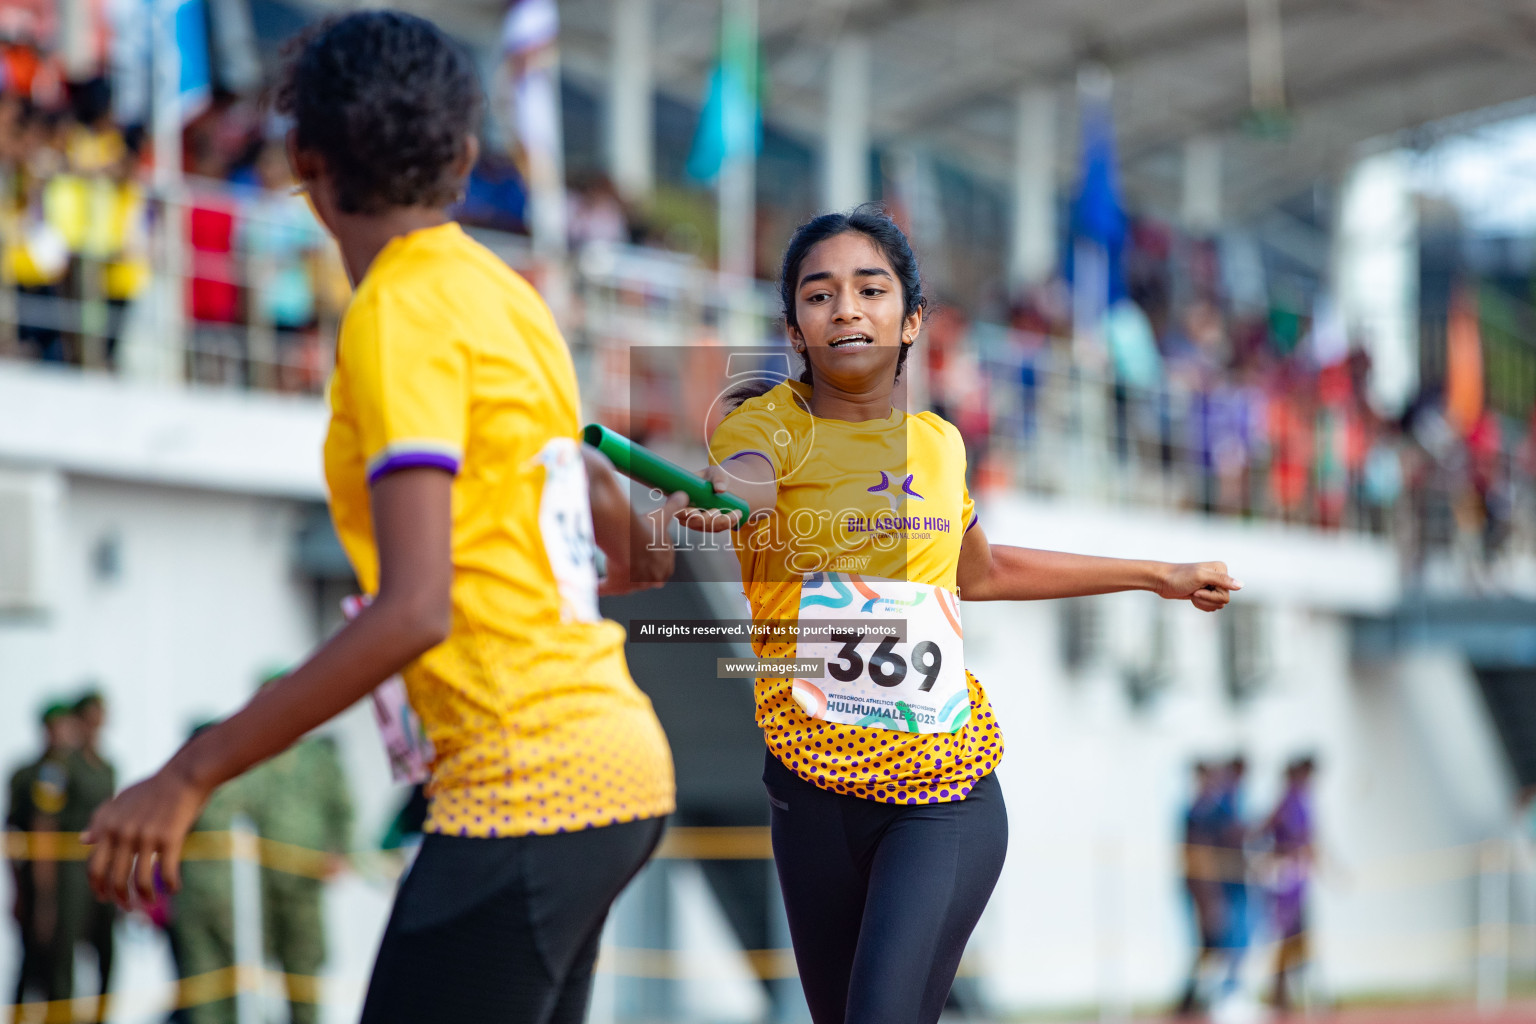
[{"x": 887, "y": 489}]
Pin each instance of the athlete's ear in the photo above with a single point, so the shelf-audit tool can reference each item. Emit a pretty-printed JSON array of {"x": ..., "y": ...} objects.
[
  {"x": 910, "y": 326},
  {"x": 796, "y": 339},
  {"x": 468, "y": 157},
  {"x": 305, "y": 165}
]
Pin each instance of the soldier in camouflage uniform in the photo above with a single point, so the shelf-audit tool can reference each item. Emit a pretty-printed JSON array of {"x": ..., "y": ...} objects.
[
  {"x": 202, "y": 924},
  {"x": 83, "y": 918},
  {"x": 300, "y": 798},
  {"x": 38, "y": 793}
]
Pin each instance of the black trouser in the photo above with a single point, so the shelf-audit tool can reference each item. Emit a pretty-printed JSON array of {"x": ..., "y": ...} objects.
[
  {"x": 503, "y": 931},
  {"x": 882, "y": 897},
  {"x": 82, "y": 919},
  {"x": 32, "y": 976}
]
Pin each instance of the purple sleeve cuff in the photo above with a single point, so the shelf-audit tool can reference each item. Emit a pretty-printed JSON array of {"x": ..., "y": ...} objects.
[
  {"x": 750, "y": 451},
  {"x": 413, "y": 460},
  {"x": 974, "y": 520}
]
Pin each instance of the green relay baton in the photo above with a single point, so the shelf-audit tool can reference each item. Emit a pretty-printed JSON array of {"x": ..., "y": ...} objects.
[{"x": 649, "y": 468}]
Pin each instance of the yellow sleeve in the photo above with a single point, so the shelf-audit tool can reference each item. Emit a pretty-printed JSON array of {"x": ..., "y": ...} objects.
[
  {"x": 956, "y": 450},
  {"x": 409, "y": 386},
  {"x": 966, "y": 502},
  {"x": 746, "y": 432}
]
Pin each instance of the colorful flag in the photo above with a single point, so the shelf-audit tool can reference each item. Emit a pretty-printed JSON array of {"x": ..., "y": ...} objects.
[
  {"x": 1098, "y": 218},
  {"x": 1098, "y": 215},
  {"x": 195, "y": 83},
  {"x": 731, "y": 123}
]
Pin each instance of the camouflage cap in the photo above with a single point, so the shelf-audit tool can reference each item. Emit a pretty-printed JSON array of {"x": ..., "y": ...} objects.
[{"x": 56, "y": 709}]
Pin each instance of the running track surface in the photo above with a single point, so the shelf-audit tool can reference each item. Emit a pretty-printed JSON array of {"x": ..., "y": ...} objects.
[
  {"x": 1512, "y": 1013},
  {"x": 1521, "y": 1012}
]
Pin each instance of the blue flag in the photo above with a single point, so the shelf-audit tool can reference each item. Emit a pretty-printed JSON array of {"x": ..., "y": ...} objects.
[
  {"x": 195, "y": 85},
  {"x": 731, "y": 123},
  {"x": 1097, "y": 212}
]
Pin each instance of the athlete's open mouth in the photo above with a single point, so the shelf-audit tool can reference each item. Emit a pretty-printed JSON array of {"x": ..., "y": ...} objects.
[{"x": 846, "y": 340}]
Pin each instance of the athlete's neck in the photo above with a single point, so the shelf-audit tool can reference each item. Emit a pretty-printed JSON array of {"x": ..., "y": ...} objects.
[
  {"x": 362, "y": 236},
  {"x": 830, "y": 402}
]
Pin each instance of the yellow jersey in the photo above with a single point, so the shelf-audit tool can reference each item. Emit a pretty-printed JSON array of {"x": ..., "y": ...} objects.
[
  {"x": 882, "y": 498},
  {"x": 449, "y": 359}
]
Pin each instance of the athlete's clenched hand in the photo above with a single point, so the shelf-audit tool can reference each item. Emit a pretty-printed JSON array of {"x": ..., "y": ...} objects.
[
  {"x": 1206, "y": 585},
  {"x": 143, "y": 825}
]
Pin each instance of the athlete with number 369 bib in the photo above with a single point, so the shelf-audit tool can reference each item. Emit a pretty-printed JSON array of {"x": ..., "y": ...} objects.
[{"x": 888, "y": 825}]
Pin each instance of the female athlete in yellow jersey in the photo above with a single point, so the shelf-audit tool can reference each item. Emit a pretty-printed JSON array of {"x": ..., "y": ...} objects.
[
  {"x": 888, "y": 825},
  {"x": 463, "y": 499}
]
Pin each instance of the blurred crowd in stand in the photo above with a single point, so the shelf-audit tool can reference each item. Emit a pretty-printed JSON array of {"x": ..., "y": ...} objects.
[
  {"x": 1250, "y": 410},
  {"x": 74, "y": 215},
  {"x": 261, "y": 286},
  {"x": 1201, "y": 385},
  {"x": 259, "y": 279}
]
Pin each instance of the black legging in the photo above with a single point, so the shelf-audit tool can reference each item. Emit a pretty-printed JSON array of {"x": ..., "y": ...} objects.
[
  {"x": 503, "y": 931},
  {"x": 882, "y": 897}
]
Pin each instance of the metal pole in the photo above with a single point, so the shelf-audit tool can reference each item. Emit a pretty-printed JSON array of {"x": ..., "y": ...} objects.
[
  {"x": 1201, "y": 200},
  {"x": 1266, "y": 55},
  {"x": 845, "y": 128},
  {"x": 244, "y": 862},
  {"x": 1492, "y": 925},
  {"x": 1113, "y": 1004},
  {"x": 170, "y": 189},
  {"x": 546, "y": 159},
  {"x": 1032, "y": 252},
  {"x": 631, "y": 133},
  {"x": 738, "y": 194},
  {"x": 9, "y": 228}
]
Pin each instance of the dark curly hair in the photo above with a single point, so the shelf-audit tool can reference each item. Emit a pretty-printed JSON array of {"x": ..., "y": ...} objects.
[
  {"x": 388, "y": 100},
  {"x": 870, "y": 220}
]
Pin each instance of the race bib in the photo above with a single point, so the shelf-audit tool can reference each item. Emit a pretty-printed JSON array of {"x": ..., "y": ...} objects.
[
  {"x": 916, "y": 685},
  {"x": 565, "y": 520},
  {"x": 406, "y": 745}
]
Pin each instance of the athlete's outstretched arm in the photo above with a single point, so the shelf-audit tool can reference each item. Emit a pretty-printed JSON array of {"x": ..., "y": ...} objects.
[
  {"x": 409, "y": 615},
  {"x": 996, "y": 572}
]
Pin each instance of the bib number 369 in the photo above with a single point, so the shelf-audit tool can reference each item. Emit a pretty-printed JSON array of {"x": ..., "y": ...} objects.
[
  {"x": 884, "y": 665},
  {"x": 873, "y": 679}
]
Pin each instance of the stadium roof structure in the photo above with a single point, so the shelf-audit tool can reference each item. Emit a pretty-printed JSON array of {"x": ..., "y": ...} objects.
[{"x": 947, "y": 73}]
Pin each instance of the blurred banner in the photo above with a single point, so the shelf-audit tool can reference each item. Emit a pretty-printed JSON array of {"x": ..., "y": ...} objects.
[{"x": 1463, "y": 362}]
